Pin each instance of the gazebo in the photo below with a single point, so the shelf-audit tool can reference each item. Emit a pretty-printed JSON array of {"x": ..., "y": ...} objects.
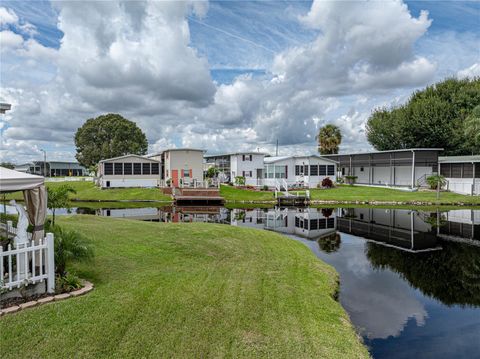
[{"x": 34, "y": 194}]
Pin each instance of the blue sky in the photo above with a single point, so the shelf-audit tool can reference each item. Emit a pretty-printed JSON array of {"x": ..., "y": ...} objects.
[{"x": 242, "y": 45}]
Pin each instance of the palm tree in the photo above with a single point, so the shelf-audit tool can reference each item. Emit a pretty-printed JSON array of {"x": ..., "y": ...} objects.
[
  {"x": 472, "y": 127},
  {"x": 329, "y": 138}
]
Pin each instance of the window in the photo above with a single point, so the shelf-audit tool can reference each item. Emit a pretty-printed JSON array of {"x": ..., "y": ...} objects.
[
  {"x": 246, "y": 158},
  {"x": 146, "y": 168},
  {"x": 313, "y": 224},
  {"x": 280, "y": 172},
  {"x": 313, "y": 170},
  {"x": 322, "y": 170},
  {"x": 297, "y": 222},
  {"x": 127, "y": 168},
  {"x": 330, "y": 222},
  {"x": 137, "y": 168},
  {"x": 247, "y": 173},
  {"x": 305, "y": 170},
  {"x": 108, "y": 168},
  {"x": 118, "y": 168},
  {"x": 361, "y": 169},
  {"x": 343, "y": 171},
  {"x": 297, "y": 170},
  {"x": 155, "y": 169},
  {"x": 186, "y": 173},
  {"x": 331, "y": 170}
]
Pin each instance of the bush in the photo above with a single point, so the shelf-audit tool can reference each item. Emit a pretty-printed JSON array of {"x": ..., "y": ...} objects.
[
  {"x": 434, "y": 180},
  {"x": 239, "y": 180},
  {"x": 69, "y": 246},
  {"x": 67, "y": 283},
  {"x": 265, "y": 187},
  {"x": 327, "y": 182}
]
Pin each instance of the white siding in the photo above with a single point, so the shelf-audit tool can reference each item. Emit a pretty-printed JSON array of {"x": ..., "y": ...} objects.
[
  {"x": 463, "y": 185},
  {"x": 129, "y": 182},
  {"x": 239, "y": 166}
]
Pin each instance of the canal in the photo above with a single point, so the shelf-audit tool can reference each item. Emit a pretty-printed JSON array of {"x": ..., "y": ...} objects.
[{"x": 410, "y": 280}]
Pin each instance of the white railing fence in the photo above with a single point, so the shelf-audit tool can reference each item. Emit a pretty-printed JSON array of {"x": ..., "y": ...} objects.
[{"x": 27, "y": 263}]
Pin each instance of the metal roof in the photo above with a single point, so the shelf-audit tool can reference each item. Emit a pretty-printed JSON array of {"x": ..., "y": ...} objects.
[
  {"x": 174, "y": 149},
  {"x": 388, "y": 151},
  {"x": 126, "y": 156},
  {"x": 237, "y": 153},
  {"x": 459, "y": 159},
  {"x": 281, "y": 158}
]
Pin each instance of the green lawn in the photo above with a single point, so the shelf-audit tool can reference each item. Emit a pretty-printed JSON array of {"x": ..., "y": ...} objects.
[
  {"x": 87, "y": 191},
  {"x": 232, "y": 194},
  {"x": 189, "y": 290},
  {"x": 363, "y": 193}
]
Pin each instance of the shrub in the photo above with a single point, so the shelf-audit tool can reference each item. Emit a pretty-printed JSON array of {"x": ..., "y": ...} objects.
[
  {"x": 239, "y": 180},
  {"x": 434, "y": 180},
  {"x": 327, "y": 183},
  {"x": 265, "y": 187},
  {"x": 67, "y": 283},
  {"x": 69, "y": 246},
  {"x": 212, "y": 172}
]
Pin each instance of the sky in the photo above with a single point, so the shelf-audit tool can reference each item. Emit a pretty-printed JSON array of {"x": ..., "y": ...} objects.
[{"x": 221, "y": 75}]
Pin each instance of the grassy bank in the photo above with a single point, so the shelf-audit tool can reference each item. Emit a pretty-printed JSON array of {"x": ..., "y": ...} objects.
[
  {"x": 354, "y": 194},
  {"x": 87, "y": 191},
  {"x": 189, "y": 290}
]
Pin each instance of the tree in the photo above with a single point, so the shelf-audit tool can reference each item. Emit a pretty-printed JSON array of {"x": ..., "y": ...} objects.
[
  {"x": 108, "y": 136},
  {"x": 212, "y": 172},
  {"x": 433, "y": 117},
  {"x": 58, "y": 198},
  {"x": 7, "y": 165},
  {"x": 329, "y": 138},
  {"x": 472, "y": 129}
]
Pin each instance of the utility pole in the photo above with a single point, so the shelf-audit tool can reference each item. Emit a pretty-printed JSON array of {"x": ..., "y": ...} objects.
[{"x": 44, "y": 162}]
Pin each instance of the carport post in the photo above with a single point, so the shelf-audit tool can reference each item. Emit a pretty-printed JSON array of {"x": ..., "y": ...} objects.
[{"x": 413, "y": 169}]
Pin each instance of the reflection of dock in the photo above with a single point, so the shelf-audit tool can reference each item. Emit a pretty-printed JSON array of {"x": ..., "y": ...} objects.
[
  {"x": 176, "y": 214},
  {"x": 399, "y": 229}
]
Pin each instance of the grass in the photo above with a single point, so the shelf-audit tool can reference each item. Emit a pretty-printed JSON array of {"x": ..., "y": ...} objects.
[
  {"x": 232, "y": 194},
  {"x": 363, "y": 193},
  {"x": 87, "y": 191},
  {"x": 189, "y": 290}
]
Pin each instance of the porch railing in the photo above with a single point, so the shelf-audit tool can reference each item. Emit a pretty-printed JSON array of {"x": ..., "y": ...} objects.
[{"x": 27, "y": 263}]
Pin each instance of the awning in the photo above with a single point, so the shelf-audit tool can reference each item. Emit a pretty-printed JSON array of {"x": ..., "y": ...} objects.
[
  {"x": 11, "y": 180},
  {"x": 34, "y": 194}
]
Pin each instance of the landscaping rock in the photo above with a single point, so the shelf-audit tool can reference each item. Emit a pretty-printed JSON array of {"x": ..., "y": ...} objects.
[
  {"x": 45, "y": 300},
  {"x": 30, "y": 304},
  {"x": 62, "y": 296},
  {"x": 12, "y": 309}
]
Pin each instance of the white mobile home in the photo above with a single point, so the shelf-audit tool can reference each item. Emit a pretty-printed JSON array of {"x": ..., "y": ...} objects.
[
  {"x": 462, "y": 173},
  {"x": 129, "y": 171},
  {"x": 298, "y": 170},
  {"x": 245, "y": 164}
]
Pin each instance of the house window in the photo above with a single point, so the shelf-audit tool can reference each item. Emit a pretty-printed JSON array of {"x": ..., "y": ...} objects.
[
  {"x": 127, "y": 168},
  {"x": 280, "y": 172},
  {"x": 108, "y": 168},
  {"x": 118, "y": 168},
  {"x": 137, "y": 168},
  {"x": 305, "y": 169},
  {"x": 297, "y": 170},
  {"x": 343, "y": 171},
  {"x": 331, "y": 170},
  {"x": 313, "y": 224},
  {"x": 322, "y": 223},
  {"x": 247, "y": 174},
  {"x": 313, "y": 170},
  {"x": 146, "y": 168},
  {"x": 155, "y": 169},
  {"x": 322, "y": 170},
  {"x": 330, "y": 222},
  {"x": 186, "y": 173},
  {"x": 361, "y": 169}
]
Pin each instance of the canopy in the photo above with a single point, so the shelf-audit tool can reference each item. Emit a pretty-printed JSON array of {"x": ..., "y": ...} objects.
[
  {"x": 11, "y": 180},
  {"x": 34, "y": 194}
]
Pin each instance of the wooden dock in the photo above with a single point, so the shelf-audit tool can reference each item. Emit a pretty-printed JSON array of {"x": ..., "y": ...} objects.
[
  {"x": 197, "y": 196},
  {"x": 293, "y": 200}
]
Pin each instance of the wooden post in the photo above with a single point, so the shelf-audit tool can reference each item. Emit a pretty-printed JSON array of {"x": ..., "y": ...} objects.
[{"x": 50, "y": 264}]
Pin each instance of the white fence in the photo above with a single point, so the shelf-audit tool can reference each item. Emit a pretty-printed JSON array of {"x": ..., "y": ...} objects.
[
  {"x": 27, "y": 263},
  {"x": 69, "y": 179}
]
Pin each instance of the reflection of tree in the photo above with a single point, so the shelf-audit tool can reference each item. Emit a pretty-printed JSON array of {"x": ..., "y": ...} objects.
[
  {"x": 330, "y": 243},
  {"x": 327, "y": 212},
  {"x": 451, "y": 275},
  {"x": 433, "y": 221}
]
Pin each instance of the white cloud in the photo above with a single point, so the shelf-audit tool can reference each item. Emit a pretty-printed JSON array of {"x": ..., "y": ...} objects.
[
  {"x": 10, "y": 40},
  {"x": 471, "y": 71},
  {"x": 7, "y": 16}
]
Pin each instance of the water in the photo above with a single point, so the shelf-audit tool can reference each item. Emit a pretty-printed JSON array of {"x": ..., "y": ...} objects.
[{"x": 410, "y": 280}]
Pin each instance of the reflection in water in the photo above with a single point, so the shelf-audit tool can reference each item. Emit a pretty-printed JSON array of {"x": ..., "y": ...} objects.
[{"x": 410, "y": 280}]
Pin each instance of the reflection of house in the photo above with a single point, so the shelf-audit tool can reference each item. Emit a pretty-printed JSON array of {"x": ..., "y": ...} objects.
[
  {"x": 181, "y": 165},
  {"x": 176, "y": 214},
  {"x": 301, "y": 170},
  {"x": 406, "y": 167},
  {"x": 245, "y": 164},
  {"x": 54, "y": 168},
  {"x": 308, "y": 223},
  {"x": 462, "y": 173},
  {"x": 129, "y": 171},
  {"x": 401, "y": 229},
  {"x": 461, "y": 225},
  {"x": 144, "y": 214}
]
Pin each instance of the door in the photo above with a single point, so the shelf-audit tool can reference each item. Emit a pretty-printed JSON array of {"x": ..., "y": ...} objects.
[{"x": 175, "y": 178}]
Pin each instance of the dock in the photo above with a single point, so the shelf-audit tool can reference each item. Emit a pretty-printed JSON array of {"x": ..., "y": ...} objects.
[
  {"x": 196, "y": 196},
  {"x": 293, "y": 200}
]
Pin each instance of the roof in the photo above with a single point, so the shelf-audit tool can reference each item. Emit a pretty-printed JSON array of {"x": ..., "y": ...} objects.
[
  {"x": 459, "y": 159},
  {"x": 11, "y": 180},
  {"x": 388, "y": 151},
  {"x": 281, "y": 158},
  {"x": 236, "y": 153},
  {"x": 174, "y": 149},
  {"x": 126, "y": 156}
]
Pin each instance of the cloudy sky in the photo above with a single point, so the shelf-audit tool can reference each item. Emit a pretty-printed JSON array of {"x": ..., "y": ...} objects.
[{"x": 223, "y": 76}]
